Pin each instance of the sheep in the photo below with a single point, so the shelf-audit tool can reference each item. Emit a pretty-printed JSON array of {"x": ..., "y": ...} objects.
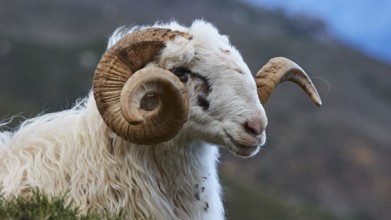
[{"x": 145, "y": 141}]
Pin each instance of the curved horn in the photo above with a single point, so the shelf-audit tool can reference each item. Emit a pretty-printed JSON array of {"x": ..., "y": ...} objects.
[
  {"x": 278, "y": 70},
  {"x": 124, "y": 89}
]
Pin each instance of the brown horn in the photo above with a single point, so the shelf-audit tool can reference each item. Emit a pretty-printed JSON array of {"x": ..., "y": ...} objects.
[
  {"x": 124, "y": 89},
  {"x": 278, "y": 70}
]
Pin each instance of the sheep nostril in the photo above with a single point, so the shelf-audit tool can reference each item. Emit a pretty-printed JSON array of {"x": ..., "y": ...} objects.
[{"x": 254, "y": 127}]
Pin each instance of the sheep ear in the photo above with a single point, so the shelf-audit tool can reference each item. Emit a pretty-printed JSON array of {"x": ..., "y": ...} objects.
[{"x": 278, "y": 70}]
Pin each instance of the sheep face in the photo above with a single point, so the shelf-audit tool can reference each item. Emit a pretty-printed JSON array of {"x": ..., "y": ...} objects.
[{"x": 224, "y": 108}]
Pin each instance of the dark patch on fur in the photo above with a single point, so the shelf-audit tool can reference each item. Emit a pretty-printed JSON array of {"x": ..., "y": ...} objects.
[
  {"x": 202, "y": 189},
  {"x": 206, "y": 206},
  {"x": 197, "y": 196},
  {"x": 203, "y": 87},
  {"x": 197, "y": 193},
  {"x": 203, "y": 102}
]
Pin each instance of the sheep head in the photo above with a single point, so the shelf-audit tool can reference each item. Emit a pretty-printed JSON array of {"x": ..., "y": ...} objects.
[{"x": 156, "y": 83}]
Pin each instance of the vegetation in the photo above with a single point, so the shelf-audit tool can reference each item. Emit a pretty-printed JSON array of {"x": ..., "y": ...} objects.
[{"x": 41, "y": 207}]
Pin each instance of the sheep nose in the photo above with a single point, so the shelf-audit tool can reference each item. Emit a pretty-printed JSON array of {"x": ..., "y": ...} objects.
[{"x": 255, "y": 126}]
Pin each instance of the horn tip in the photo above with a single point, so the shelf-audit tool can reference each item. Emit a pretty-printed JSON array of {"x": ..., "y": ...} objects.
[{"x": 317, "y": 101}]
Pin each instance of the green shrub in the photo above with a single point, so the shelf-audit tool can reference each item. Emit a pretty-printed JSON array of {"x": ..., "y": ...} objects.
[{"x": 39, "y": 206}]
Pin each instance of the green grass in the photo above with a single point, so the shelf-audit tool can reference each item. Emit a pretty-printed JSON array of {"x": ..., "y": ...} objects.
[
  {"x": 39, "y": 207},
  {"x": 241, "y": 202}
]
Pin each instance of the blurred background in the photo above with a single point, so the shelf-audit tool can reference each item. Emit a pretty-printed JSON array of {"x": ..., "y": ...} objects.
[{"x": 332, "y": 162}]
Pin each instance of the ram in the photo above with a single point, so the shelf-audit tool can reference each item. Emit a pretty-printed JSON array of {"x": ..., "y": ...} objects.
[{"x": 145, "y": 141}]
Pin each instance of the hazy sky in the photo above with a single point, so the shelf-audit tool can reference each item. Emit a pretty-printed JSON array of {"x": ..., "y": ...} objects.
[{"x": 364, "y": 24}]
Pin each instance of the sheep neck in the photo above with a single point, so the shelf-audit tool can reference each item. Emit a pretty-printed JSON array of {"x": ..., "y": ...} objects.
[{"x": 182, "y": 173}]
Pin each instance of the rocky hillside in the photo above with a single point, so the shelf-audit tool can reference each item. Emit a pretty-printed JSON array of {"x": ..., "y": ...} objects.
[{"x": 331, "y": 162}]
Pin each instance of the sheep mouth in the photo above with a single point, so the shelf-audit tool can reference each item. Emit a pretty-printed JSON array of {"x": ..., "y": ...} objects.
[{"x": 241, "y": 149}]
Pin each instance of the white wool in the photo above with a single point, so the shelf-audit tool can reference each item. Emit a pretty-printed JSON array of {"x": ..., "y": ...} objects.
[{"x": 74, "y": 151}]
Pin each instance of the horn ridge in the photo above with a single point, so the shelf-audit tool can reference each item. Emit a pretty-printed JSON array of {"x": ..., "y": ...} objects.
[{"x": 117, "y": 66}]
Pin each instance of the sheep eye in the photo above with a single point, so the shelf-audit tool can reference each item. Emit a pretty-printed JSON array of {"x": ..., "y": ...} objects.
[
  {"x": 202, "y": 86},
  {"x": 182, "y": 73}
]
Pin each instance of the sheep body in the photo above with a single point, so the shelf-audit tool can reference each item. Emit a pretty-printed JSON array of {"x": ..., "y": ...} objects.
[{"x": 74, "y": 151}]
